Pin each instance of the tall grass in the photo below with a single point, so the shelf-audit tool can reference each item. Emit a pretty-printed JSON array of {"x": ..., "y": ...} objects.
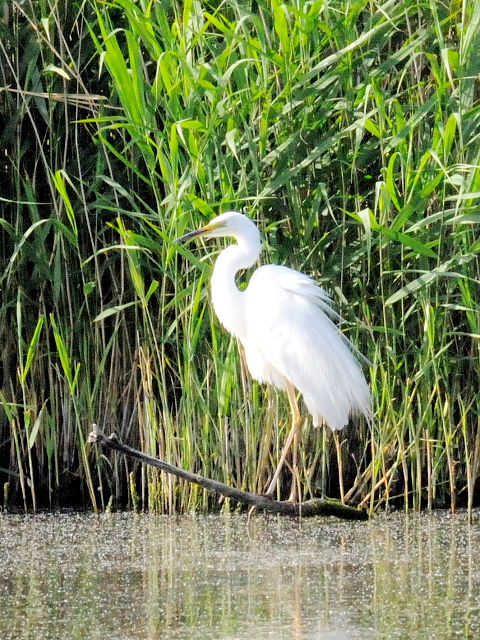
[{"x": 349, "y": 131}]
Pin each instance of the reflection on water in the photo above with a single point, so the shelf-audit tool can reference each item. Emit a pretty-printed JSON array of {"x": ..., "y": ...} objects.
[{"x": 126, "y": 576}]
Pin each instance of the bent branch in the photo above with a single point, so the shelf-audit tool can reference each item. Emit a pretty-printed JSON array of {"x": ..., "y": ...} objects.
[{"x": 313, "y": 507}]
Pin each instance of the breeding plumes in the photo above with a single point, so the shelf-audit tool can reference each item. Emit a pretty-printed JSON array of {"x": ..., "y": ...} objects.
[{"x": 284, "y": 322}]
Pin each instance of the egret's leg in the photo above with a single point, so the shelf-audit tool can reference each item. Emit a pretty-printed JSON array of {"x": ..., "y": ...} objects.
[
  {"x": 295, "y": 491},
  {"x": 292, "y": 436},
  {"x": 338, "y": 447}
]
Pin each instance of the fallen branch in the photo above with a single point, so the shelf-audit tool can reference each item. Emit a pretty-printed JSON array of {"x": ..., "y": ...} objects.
[{"x": 313, "y": 507}]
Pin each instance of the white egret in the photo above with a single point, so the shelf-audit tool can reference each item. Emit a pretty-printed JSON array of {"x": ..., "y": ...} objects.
[{"x": 283, "y": 320}]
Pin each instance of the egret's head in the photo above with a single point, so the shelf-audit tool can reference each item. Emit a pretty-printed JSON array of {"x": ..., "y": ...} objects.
[{"x": 229, "y": 224}]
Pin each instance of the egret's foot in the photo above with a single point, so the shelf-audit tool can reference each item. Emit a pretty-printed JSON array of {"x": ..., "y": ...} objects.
[
  {"x": 292, "y": 498},
  {"x": 269, "y": 493},
  {"x": 271, "y": 489},
  {"x": 295, "y": 490}
]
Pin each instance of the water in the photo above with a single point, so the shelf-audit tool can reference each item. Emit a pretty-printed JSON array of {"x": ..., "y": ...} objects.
[{"x": 129, "y": 577}]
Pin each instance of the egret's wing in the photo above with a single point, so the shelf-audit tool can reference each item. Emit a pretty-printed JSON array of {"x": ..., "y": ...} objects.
[{"x": 290, "y": 330}]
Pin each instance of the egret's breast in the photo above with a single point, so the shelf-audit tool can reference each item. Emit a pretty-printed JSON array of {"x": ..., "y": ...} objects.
[{"x": 260, "y": 369}]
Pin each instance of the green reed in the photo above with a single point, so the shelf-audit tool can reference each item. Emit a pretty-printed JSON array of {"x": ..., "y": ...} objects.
[{"x": 350, "y": 133}]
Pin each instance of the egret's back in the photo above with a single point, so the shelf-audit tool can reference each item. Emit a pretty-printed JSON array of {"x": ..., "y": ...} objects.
[{"x": 290, "y": 336}]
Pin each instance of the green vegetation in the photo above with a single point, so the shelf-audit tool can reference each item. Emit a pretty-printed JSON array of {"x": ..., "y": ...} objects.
[{"x": 350, "y": 130}]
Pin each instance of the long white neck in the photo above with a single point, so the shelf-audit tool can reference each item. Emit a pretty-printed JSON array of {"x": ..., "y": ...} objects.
[{"x": 226, "y": 297}]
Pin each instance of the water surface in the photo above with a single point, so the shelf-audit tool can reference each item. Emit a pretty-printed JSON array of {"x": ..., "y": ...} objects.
[{"x": 129, "y": 577}]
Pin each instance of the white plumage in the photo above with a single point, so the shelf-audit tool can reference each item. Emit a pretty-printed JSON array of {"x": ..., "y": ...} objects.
[
  {"x": 290, "y": 336},
  {"x": 284, "y": 321}
]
